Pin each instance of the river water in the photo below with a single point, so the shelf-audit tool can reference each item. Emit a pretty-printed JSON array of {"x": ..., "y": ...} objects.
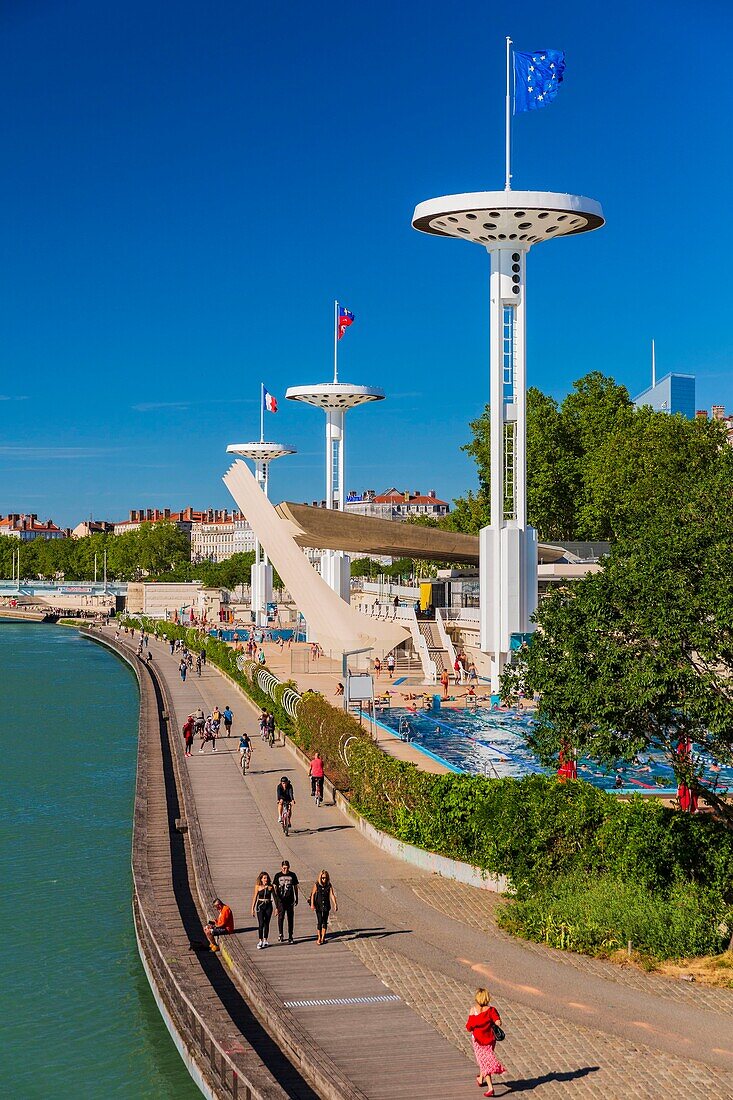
[{"x": 77, "y": 1018}]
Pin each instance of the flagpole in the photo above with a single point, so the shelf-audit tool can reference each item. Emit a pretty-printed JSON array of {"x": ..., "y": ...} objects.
[
  {"x": 262, "y": 412},
  {"x": 508, "y": 181},
  {"x": 336, "y": 342}
]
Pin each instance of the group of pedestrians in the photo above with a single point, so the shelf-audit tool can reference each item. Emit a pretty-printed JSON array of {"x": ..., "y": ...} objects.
[
  {"x": 279, "y": 895},
  {"x": 207, "y": 728}
]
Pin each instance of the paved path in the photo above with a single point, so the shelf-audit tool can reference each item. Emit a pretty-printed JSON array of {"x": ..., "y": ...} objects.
[{"x": 575, "y": 1027}]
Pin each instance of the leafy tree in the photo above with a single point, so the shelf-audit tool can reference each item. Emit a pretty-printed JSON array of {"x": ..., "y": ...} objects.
[
  {"x": 560, "y": 442},
  {"x": 641, "y": 465},
  {"x": 552, "y": 465},
  {"x": 639, "y": 656}
]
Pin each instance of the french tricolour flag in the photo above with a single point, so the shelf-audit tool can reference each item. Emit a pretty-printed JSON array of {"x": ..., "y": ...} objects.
[{"x": 270, "y": 401}]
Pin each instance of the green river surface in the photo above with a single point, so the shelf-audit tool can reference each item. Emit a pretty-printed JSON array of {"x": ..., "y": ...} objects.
[{"x": 77, "y": 1018}]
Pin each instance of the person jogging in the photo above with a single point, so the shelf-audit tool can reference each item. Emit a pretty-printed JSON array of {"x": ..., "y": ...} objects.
[
  {"x": 228, "y": 716},
  {"x": 286, "y": 898},
  {"x": 316, "y": 774}
]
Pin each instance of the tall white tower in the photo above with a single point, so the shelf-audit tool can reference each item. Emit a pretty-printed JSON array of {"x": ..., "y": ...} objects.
[
  {"x": 335, "y": 398},
  {"x": 262, "y": 454},
  {"x": 507, "y": 224}
]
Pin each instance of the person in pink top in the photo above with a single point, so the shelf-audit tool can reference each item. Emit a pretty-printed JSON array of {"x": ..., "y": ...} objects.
[{"x": 316, "y": 773}]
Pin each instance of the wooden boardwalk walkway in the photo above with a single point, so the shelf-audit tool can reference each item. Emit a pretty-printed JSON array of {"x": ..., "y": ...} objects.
[{"x": 385, "y": 1048}]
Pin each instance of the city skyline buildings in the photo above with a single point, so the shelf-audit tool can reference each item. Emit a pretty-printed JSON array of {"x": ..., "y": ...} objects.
[{"x": 142, "y": 297}]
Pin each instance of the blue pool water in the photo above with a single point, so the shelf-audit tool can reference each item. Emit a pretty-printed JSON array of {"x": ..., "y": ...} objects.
[
  {"x": 243, "y": 633},
  {"x": 491, "y": 743}
]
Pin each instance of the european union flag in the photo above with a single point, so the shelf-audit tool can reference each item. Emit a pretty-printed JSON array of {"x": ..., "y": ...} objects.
[{"x": 537, "y": 77}]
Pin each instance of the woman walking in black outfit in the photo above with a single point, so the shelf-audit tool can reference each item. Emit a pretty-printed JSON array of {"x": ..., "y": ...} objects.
[
  {"x": 262, "y": 902},
  {"x": 321, "y": 899}
]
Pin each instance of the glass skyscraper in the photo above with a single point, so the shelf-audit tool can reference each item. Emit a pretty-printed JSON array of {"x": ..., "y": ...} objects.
[{"x": 675, "y": 393}]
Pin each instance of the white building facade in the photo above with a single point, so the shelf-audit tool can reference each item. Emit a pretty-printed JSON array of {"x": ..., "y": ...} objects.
[
  {"x": 218, "y": 541},
  {"x": 396, "y": 505}
]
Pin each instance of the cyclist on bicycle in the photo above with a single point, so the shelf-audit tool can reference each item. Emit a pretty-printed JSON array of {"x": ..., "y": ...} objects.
[
  {"x": 285, "y": 798},
  {"x": 316, "y": 773},
  {"x": 245, "y": 750}
]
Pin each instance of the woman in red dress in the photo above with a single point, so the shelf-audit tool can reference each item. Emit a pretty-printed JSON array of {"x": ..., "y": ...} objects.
[{"x": 481, "y": 1025}]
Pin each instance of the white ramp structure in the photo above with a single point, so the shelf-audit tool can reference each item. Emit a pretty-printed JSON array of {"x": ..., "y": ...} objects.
[
  {"x": 335, "y": 625},
  {"x": 507, "y": 224}
]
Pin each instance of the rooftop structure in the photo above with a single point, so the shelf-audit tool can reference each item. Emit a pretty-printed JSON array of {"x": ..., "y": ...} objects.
[
  {"x": 92, "y": 527},
  {"x": 184, "y": 519},
  {"x": 393, "y": 504},
  {"x": 27, "y": 527},
  {"x": 718, "y": 413}
]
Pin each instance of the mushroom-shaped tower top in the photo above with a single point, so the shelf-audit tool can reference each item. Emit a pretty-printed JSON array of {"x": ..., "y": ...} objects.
[
  {"x": 260, "y": 451},
  {"x": 334, "y": 395},
  {"x": 511, "y": 219}
]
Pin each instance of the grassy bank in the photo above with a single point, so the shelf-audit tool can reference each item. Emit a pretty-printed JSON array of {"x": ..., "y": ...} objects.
[{"x": 589, "y": 872}]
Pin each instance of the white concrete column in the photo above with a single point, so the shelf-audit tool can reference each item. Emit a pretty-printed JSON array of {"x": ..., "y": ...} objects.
[{"x": 334, "y": 435}]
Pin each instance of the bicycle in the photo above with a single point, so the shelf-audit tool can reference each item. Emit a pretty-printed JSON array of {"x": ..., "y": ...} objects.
[
  {"x": 317, "y": 782},
  {"x": 245, "y": 760},
  {"x": 285, "y": 818},
  {"x": 271, "y": 738}
]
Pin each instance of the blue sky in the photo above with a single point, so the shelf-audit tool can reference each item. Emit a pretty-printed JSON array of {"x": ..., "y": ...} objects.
[{"x": 186, "y": 188}]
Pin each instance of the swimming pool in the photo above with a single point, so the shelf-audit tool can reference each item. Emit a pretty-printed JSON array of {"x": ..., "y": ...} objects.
[
  {"x": 492, "y": 743},
  {"x": 245, "y": 632}
]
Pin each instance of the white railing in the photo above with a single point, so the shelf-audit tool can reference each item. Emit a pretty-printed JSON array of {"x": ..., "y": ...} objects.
[
  {"x": 387, "y": 612},
  {"x": 406, "y": 616},
  {"x": 471, "y": 616},
  {"x": 386, "y": 589}
]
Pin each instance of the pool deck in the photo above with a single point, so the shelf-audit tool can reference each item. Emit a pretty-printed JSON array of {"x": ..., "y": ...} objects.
[{"x": 576, "y": 1027}]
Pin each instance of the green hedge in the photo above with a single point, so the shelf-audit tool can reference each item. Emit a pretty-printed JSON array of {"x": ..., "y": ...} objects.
[{"x": 573, "y": 853}]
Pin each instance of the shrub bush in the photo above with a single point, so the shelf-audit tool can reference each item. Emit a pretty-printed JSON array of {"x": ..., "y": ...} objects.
[{"x": 600, "y": 915}]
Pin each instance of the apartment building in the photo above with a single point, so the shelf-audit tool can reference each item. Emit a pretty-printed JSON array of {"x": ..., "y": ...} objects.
[
  {"x": 28, "y": 527},
  {"x": 217, "y": 539},
  {"x": 396, "y": 505}
]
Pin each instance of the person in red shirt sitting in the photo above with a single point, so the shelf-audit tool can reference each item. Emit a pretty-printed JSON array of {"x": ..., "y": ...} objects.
[
  {"x": 483, "y": 1039},
  {"x": 222, "y": 926}
]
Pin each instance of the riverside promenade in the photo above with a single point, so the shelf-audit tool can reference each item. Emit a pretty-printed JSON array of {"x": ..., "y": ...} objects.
[{"x": 386, "y": 999}]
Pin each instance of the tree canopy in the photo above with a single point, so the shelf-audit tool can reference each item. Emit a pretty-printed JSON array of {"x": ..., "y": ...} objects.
[
  {"x": 561, "y": 441},
  {"x": 154, "y": 551},
  {"x": 639, "y": 656}
]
